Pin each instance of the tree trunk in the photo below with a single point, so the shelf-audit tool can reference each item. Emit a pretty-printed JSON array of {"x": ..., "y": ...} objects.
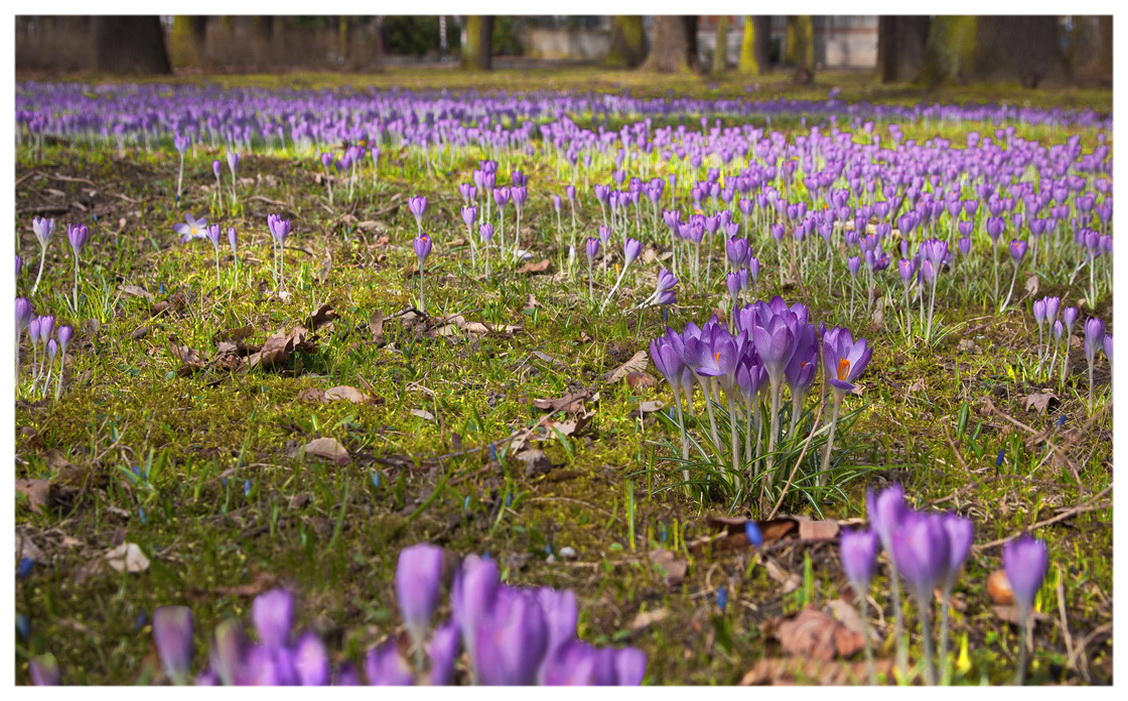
[
  {"x": 754, "y": 46},
  {"x": 900, "y": 47},
  {"x": 801, "y": 48},
  {"x": 1022, "y": 48},
  {"x": 186, "y": 41},
  {"x": 1104, "y": 55},
  {"x": 476, "y": 47},
  {"x": 671, "y": 50},
  {"x": 720, "y": 48},
  {"x": 950, "y": 50},
  {"x": 628, "y": 42},
  {"x": 126, "y": 44}
]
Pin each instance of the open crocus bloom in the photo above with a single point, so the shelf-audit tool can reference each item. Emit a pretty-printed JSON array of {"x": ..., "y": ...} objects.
[{"x": 193, "y": 228}]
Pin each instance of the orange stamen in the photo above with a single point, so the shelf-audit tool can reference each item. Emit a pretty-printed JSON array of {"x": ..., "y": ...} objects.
[{"x": 843, "y": 369}]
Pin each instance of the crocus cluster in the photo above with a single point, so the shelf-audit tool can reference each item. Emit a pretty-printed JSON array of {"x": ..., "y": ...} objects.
[
  {"x": 771, "y": 345},
  {"x": 926, "y": 551},
  {"x": 47, "y": 344},
  {"x": 510, "y": 636}
]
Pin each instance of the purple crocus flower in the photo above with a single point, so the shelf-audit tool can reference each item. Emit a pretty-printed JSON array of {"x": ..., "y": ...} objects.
[
  {"x": 1108, "y": 350},
  {"x": 472, "y": 597},
  {"x": 486, "y": 231},
  {"x": 631, "y": 250},
  {"x": 217, "y": 168},
  {"x": 46, "y": 326},
  {"x": 1025, "y": 560},
  {"x": 384, "y": 666},
  {"x": 23, "y": 315},
  {"x": 961, "y": 532},
  {"x": 279, "y": 227},
  {"x": 922, "y": 550},
  {"x": 52, "y": 350},
  {"x": 1094, "y": 337},
  {"x": 422, "y": 247},
  {"x": 229, "y": 651},
  {"x": 468, "y": 191},
  {"x": 43, "y": 229},
  {"x": 443, "y": 651},
  {"x": 233, "y": 161},
  {"x": 311, "y": 661},
  {"x": 738, "y": 251},
  {"x": 213, "y": 233},
  {"x": 469, "y": 214},
  {"x": 273, "y": 614},
  {"x": 560, "y": 615},
  {"x": 886, "y": 509},
  {"x": 192, "y": 228},
  {"x": 1017, "y": 250},
  {"x": 233, "y": 240},
  {"x": 77, "y": 234},
  {"x": 19, "y": 264},
  {"x": 858, "y": 550},
  {"x": 44, "y": 670},
  {"x": 172, "y": 632},
  {"x": 511, "y": 642},
  {"x": 844, "y": 359},
  {"x": 501, "y": 196},
  {"x": 417, "y": 206},
  {"x": 592, "y": 248},
  {"x": 418, "y": 579}
]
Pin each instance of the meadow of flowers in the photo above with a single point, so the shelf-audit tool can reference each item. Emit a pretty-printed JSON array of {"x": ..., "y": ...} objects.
[{"x": 528, "y": 348}]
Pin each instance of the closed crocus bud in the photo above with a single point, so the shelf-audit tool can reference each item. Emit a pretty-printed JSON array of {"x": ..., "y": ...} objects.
[
  {"x": 33, "y": 330},
  {"x": 217, "y": 168},
  {"x": 172, "y": 632},
  {"x": 1057, "y": 329},
  {"x": 233, "y": 161},
  {"x": 1052, "y": 305},
  {"x": 77, "y": 234},
  {"x": 19, "y": 265},
  {"x": 1017, "y": 250},
  {"x": 486, "y": 231},
  {"x": 511, "y": 643},
  {"x": 469, "y": 214},
  {"x": 47, "y": 325},
  {"x": 23, "y": 314},
  {"x": 44, "y": 670},
  {"x": 961, "y": 532},
  {"x": 1094, "y": 337},
  {"x": 1025, "y": 560},
  {"x": 214, "y": 234},
  {"x": 279, "y": 227},
  {"x": 1069, "y": 317},
  {"x": 922, "y": 551},
  {"x": 311, "y": 661},
  {"x": 422, "y": 247},
  {"x": 631, "y": 250},
  {"x": 417, "y": 206},
  {"x": 1108, "y": 349},
  {"x": 560, "y": 615},
  {"x": 326, "y": 160},
  {"x": 630, "y": 666},
  {"x": 573, "y": 665},
  {"x": 1039, "y": 311},
  {"x": 384, "y": 666},
  {"x": 273, "y": 614},
  {"x": 229, "y": 651},
  {"x": 52, "y": 349},
  {"x": 858, "y": 551},
  {"x": 886, "y": 509},
  {"x": 233, "y": 240},
  {"x": 443, "y": 651},
  {"x": 472, "y": 596},
  {"x": 592, "y": 248},
  {"x": 418, "y": 579}
]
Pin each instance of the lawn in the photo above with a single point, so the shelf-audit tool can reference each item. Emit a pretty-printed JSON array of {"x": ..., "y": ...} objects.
[{"x": 257, "y": 415}]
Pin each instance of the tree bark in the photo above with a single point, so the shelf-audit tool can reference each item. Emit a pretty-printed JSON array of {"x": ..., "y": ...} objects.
[
  {"x": 1022, "y": 48},
  {"x": 900, "y": 47},
  {"x": 674, "y": 47},
  {"x": 755, "y": 57},
  {"x": 476, "y": 48},
  {"x": 720, "y": 47},
  {"x": 801, "y": 48},
  {"x": 125, "y": 44},
  {"x": 949, "y": 51},
  {"x": 628, "y": 42}
]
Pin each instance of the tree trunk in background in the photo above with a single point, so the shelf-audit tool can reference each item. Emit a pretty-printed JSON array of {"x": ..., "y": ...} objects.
[
  {"x": 130, "y": 44},
  {"x": 1104, "y": 55},
  {"x": 1090, "y": 50},
  {"x": 720, "y": 48},
  {"x": 476, "y": 48},
  {"x": 949, "y": 51},
  {"x": 186, "y": 41},
  {"x": 900, "y": 47},
  {"x": 1022, "y": 48},
  {"x": 755, "y": 58},
  {"x": 342, "y": 40},
  {"x": 628, "y": 42},
  {"x": 671, "y": 50},
  {"x": 801, "y": 48}
]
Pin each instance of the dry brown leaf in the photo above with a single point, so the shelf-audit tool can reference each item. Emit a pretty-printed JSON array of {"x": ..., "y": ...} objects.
[
  {"x": 644, "y": 408},
  {"x": 645, "y": 619},
  {"x": 376, "y": 326},
  {"x": 348, "y": 393},
  {"x": 674, "y": 567},
  {"x": 40, "y": 493},
  {"x": 279, "y": 348},
  {"x": 1009, "y": 614},
  {"x": 571, "y": 402},
  {"x": 1032, "y": 284},
  {"x": 539, "y": 267},
  {"x": 786, "y": 671},
  {"x": 311, "y": 394},
  {"x": 1041, "y": 402},
  {"x": 817, "y": 530},
  {"x": 127, "y": 557},
  {"x": 535, "y": 461},
  {"x": 329, "y": 449},
  {"x": 847, "y": 615},
  {"x": 814, "y": 634},
  {"x": 137, "y": 291},
  {"x": 641, "y": 380},
  {"x": 789, "y": 581},
  {"x": 423, "y": 414},
  {"x": 322, "y": 316},
  {"x": 637, "y": 363}
]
